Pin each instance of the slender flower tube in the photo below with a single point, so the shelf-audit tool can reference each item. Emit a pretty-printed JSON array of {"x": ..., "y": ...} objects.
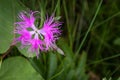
[{"x": 36, "y": 39}]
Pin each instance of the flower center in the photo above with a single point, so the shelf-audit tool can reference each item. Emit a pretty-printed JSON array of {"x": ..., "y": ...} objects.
[{"x": 35, "y": 33}]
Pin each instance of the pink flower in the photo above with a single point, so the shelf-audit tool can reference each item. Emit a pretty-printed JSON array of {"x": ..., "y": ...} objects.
[
  {"x": 27, "y": 19},
  {"x": 51, "y": 32},
  {"x": 36, "y": 39},
  {"x": 24, "y": 38}
]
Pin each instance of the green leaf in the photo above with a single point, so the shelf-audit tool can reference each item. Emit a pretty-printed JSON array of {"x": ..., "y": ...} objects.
[
  {"x": 0, "y": 61},
  {"x": 118, "y": 78},
  {"x": 117, "y": 41},
  {"x": 57, "y": 18},
  {"x": 18, "y": 68},
  {"x": 8, "y": 12},
  {"x": 67, "y": 63},
  {"x": 24, "y": 51},
  {"x": 52, "y": 64},
  {"x": 8, "y": 15},
  {"x": 80, "y": 70},
  {"x": 70, "y": 74},
  {"x": 57, "y": 10},
  {"x": 62, "y": 44}
]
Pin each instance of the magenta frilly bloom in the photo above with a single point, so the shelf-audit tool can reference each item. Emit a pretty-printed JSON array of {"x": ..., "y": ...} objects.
[{"x": 35, "y": 39}]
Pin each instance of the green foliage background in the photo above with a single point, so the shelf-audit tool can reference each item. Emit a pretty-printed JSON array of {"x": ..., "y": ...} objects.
[{"x": 90, "y": 41}]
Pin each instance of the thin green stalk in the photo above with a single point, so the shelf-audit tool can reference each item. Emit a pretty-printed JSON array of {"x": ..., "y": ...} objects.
[
  {"x": 115, "y": 70},
  {"x": 111, "y": 57},
  {"x": 98, "y": 38},
  {"x": 0, "y": 61},
  {"x": 56, "y": 74},
  {"x": 116, "y": 14},
  {"x": 57, "y": 8},
  {"x": 74, "y": 30},
  {"x": 45, "y": 63},
  {"x": 67, "y": 20},
  {"x": 91, "y": 24},
  {"x": 34, "y": 64},
  {"x": 79, "y": 29},
  {"x": 103, "y": 37},
  {"x": 42, "y": 12}
]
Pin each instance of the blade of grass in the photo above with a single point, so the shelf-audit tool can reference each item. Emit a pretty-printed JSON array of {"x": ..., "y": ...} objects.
[
  {"x": 52, "y": 65},
  {"x": 80, "y": 70},
  {"x": 56, "y": 74},
  {"x": 57, "y": 8},
  {"x": 80, "y": 26},
  {"x": 111, "y": 57},
  {"x": 91, "y": 24},
  {"x": 74, "y": 30},
  {"x": 116, "y": 14},
  {"x": 103, "y": 36},
  {"x": 115, "y": 70},
  {"x": 98, "y": 38},
  {"x": 42, "y": 12},
  {"x": 34, "y": 64},
  {"x": 68, "y": 26},
  {"x": 0, "y": 61}
]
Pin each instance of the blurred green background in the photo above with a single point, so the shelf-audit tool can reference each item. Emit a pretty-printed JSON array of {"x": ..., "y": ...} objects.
[{"x": 90, "y": 41}]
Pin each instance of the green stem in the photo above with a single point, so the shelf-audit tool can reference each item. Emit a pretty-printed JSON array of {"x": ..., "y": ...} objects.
[
  {"x": 116, "y": 14},
  {"x": 111, "y": 57},
  {"x": 91, "y": 24},
  {"x": 56, "y": 74},
  {"x": 68, "y": 26}
]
